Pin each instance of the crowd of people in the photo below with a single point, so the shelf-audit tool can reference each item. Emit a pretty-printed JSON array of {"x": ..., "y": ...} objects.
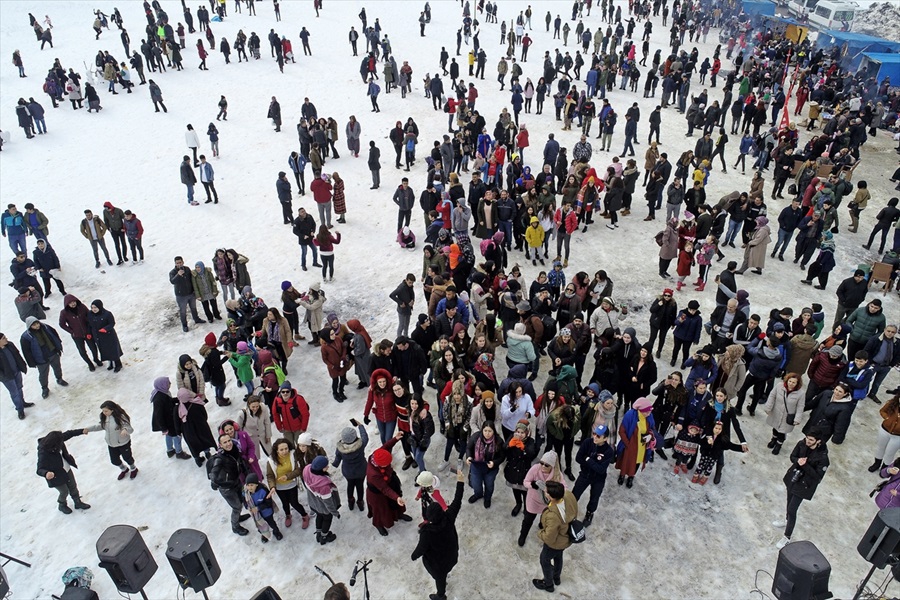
[{"x": 515, "y": 375}]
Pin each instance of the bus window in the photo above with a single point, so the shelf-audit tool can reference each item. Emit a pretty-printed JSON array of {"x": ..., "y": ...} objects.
[
  {"x": 823, "y": 12},
  {"x": 843, "y": 15}
]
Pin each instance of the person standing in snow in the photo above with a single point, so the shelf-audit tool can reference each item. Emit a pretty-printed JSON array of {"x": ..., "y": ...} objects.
[
  {"x": 438, "y": 545},
  {"x": 113, "y": 219},
  {"x": 156, "y": 96},
  {"x": 374, "y": 164},
  {"x": 12, "y": 367},
  {"x": 134, "y": 232},
  {"x": 181, "y": 280},
  {"x": 207, "y": 176},
  {"x": 56, "y": 465},
  {"x": 116, "y": 427},
  {"x": 353, "y": 130},
  {"x": 275, "y": 113},
  {"x": 809, "y": 462},
  {"x": 188, "y": 179},
  {"x": 193, "y": 142},
  {"x": 47, "y": 264},
  {"x": 93, "y": 229},
  {"x": 372, "y": 92},
  {"x": 102, "y": 326}
]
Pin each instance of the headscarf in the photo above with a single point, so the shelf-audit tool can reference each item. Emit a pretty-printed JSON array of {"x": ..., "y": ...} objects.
[
  {"x": 356, "y": 327},
  {"x": 185, "y": 397},
  {"x": 483, "y": 365},
  {"x": 160, "y": 384},
  {"x": 99, "y": 303},
  {"x": 730, "y": 357}
]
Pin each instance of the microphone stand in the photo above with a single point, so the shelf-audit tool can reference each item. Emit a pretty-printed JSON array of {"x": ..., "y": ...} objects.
[{"x": 364, "y": 567}]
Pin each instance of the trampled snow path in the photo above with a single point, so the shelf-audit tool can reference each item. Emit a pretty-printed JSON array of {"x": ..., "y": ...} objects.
[{"x": 663, "y": 538}]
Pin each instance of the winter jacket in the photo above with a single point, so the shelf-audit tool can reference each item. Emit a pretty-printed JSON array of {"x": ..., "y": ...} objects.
[
  {"x": 823, "y": 371},
  {"x": 382, "y": 401},
  {"x": 225, "y": 470},
  {"x": 865, "y": 324},
  {"x": 688, "y": 327},
  {"x": 782, "y": 403},
  {"x": 52, "y": 462},
  {"x": 833, "y": 417},
  {"x": 810, "y": 474},
  {"x": 520, "y": 348},
  {"x": 554, "y": 528},
  {"x": 113, "y": 433},
  {"x": 292, "y": 414},
  {"x": 352, "y": 457},
  {"x": 33, "y": 352},
  {"x": 594, "y": 459}
]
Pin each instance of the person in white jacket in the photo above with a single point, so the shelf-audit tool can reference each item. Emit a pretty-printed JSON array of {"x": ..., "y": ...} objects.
[
  {"x": 516, "y": 405},
  {"x": 193, "y": 142},
  {"x": 605, "y": 317},
  {"x": 116, "y": 426},
  {"x": 255, "y": 420}
]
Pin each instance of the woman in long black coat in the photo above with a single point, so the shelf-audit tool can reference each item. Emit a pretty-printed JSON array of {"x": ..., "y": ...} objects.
[
  {"x": 165, "y": 417},
  {"x": 438, "y": 542},
  {"x": 103, "y": 329},
  {"x": 195, "y": 425}
]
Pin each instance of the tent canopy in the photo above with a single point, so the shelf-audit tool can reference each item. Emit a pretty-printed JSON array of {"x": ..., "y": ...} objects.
[
  {"x": 853, "y": 44},
  {"x": 888, "y": 65},
  {"x": 758, "y": 7}
]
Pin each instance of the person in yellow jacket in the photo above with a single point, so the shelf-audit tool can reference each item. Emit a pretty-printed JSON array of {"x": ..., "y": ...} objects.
[
  {"x": 534, "y": 236},
  {"x": 562, "y": 509},
  {"x": 471, "y": 63}
]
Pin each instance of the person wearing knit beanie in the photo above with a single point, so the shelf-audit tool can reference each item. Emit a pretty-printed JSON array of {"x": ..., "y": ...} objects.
[
  {"x": 384, "y": 494},
  {"x": 547, "y": 469},
  {"x": 210, "y": 339}
]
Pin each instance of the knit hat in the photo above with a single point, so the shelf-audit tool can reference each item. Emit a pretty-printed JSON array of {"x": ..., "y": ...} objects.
[
  {"x": 671, "y": 293},
  {"x": 565, "y": 331},
  {"x": 464, "y": 296},
  {"x": 319, "y": 463},
  {"x": 693, "y": 304},
  {"x": 835, "y": 351},
  {"x": 210, "y": 339},
  {"x": 708, "y": 350},
  {"x": 242, "y": 346},
  {"x": 519, "y": 328},
  {"x": 523, "y": 306},
  {"x": 426, "y": 479},
  {"x": 487, "y": 394},
  {"x": 286, "y": 385},
  {"x": 643, "y": 405},
  {"x": 522, "y": 424},
  {"x": 778, "y": 327},
  {"x": 315, "y": 286},
  {"x": 550, "y": 458},
  {"x": 252, "y": 478},
  {"x": 305, "y": 439},
  {"x": 859, "y": 273},
  {"x": 601, "y": 430},
  {"x": 285, "y": 285},
  {"x": 579, "y": 316},
  {"x": 348, "y": 435},
  {"x": 422, "y": 318},
  {"x": 382, "y": 458}
]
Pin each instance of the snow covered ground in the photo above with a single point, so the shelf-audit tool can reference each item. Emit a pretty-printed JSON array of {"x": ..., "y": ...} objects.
[{"x": 663, "y": 538}]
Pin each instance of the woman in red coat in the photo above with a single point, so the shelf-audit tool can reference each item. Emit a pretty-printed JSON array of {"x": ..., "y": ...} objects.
[
  {"x": 383, "y": 491},
  {"x": 381, "y": 399},
  {"x": 201, "y": 51},
  {"x": 335, "y": 357},
  {"x": 637, "y": 440},
  {"x": 338, "y": 199}
]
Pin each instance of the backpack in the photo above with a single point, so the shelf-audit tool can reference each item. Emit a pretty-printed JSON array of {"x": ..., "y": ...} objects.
[
  {"x": 577, "y": 532},
  {"x": 447, "y": 106},
  {"x": 279, "y": 373},
  {"x": 658, "y": 238},
  {"x": 549, "y": 324}
]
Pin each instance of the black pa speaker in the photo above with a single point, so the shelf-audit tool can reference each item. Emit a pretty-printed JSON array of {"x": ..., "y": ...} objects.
[
  {"x": 192, "y": 559},
  {"x": 267, "y": 593},
  {"x": 802, "y": 573},
  {"x": 125, "y": 556},
  {"x": 880, "y": 545}
]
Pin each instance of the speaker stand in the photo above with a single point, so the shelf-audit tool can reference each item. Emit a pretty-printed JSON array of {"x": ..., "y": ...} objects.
[
  {"x": 862, "y": 585},
  {"x": 13, "y": 559},
  {"x": 205, "y": 597}
]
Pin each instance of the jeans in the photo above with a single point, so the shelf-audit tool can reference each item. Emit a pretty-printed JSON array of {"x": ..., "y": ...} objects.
[
  {"x": 881, "y": 371},
  {"x": 17, "y": 243},
  {"x": 793, "y": 503},
  {"x": 136, "y": 247},
  {"x": 582, "y": 483},
  {"x": 327, "y": 265},
  {"x": 784, "y": 239},
  {"x": 44, "y": 371},
  {"x": 16, "y": 391},
  {"x": 325, "y": 213},
  {"x": 233, "y": 498},
  {"x": 482, "y": 479},
  {"x": 41, "y": 125},
  {"x": 551, "y": 564},
  {"x": 385, "y": 430},
  {"x": 190, "y": 192},
  {"x": 672, "y": 210},
  {"x": 506, "y": 228},
  {"x": 173, "y": 443},
  {"x": 403, "y": 325},
  {"x": 80, "y": 344},
  {"x": 101, "y": 243},
  {"x": 734, "y": 227},
  {"x": 315, "y": 254},
  {"x": 887, "y": 447},
  {"x": 209, "y": 186},
  {"x": 119, "y": 245},
  {"x": 183, "y": 303},
  {"x": 419, "y": 456}
]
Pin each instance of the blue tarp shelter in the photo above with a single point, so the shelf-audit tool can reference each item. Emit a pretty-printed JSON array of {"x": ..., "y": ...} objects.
[
  {"x": 886, "y": 65},
  {"x": 758, "y": 7},
  {"x": 853, "y": 44}
]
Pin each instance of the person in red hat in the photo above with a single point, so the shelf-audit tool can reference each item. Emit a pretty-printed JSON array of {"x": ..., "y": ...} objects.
[{"x": 383, "y": 492}]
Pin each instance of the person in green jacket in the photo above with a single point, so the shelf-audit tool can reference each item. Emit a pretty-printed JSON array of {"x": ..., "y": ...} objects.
[
  {"x": 242, "y": 361},
  {"x": 867, "y": 321}
]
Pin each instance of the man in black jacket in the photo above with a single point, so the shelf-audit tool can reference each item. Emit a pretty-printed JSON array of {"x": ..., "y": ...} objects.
[
  {"x": 409, "y": 362},
  {"x": 305, "y": 230},
  {"x": 224, "y": 470},
  {"x": 405, "y": 297},
  {"x": 788, "y": 219},
  {"x": 783, "y": 167},
  {"x": 183, "y": 284},
  {"x": 438, "y": 542},
  {"x": 725, "y": 321},
  {"x": 850, "y": 294},
  {"x": 727, "y": 287},
  {"x": 12, "y": 367},
  {"x": 283, "y": 187},
  {"x": 53, "y": 457}
]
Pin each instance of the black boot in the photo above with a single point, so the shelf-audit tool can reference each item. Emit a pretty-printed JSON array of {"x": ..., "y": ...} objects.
[
  {"x": 776, "y": 449},
  {"x": 876, "y": 466},
  {"x": 718, "y": 476},
  {"x": 588, "y": 518},
  {"x": 771, "y": 443},
  {"x": 662, "y": 454},
  {"x": 522, "y": 537},
  {"x": 64, "y": 508},
  {"x": 516, "y": 509},
  {"x": 81, "y": 505}
]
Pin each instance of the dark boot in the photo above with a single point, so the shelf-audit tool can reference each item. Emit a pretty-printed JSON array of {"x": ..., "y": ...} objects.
[
  {"x": 718, "y": 476},
  {"x": 776, "y": 449},
  {"x": 771, "y": 443},
  {"x": 522, "y": 537},
  {"x": 516, "y": 509},
  {"x": 662, "y": 454},
  {"x": 64, "y": 508},
  {"x": 588, "y": 518},
  {"x": 409, "y": 462},
  {"x": 876, "y": 466},
  {"x": 81, "y": 505}
]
